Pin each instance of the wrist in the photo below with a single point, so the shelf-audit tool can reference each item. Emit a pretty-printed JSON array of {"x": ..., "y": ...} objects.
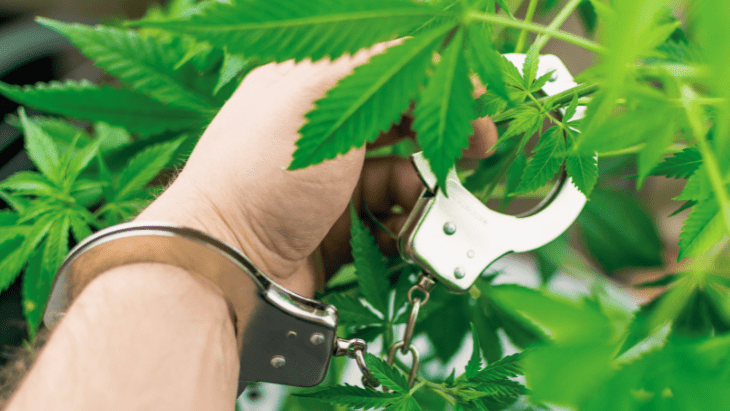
[{"x": 186, "y": 204}]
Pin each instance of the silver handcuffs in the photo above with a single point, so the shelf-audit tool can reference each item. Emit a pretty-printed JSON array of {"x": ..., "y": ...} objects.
[{"x": 288, "y": 339}]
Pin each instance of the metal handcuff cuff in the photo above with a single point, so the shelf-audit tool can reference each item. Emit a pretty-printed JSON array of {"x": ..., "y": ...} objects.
[{"x": 284, "y": 338}]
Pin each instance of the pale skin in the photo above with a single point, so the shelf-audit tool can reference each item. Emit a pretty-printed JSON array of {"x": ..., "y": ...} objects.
[{"x": 152, "y": 336}]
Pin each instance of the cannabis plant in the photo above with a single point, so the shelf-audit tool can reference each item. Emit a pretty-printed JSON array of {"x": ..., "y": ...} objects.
[{"x": 657, "y": 104}]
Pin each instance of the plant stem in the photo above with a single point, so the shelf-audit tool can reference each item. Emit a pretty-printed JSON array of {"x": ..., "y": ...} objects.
[
  {"x": 716, "y": 179},
  {"x": 558, "y": 21},
  {"x": 445, "y": 396},
  {"x": 637, "y": 148},
  {"x": 528, "y": 19},
  {"x": 699, "y": 128},
  {"x": 536, "y": 28},
  {"x": 559, "y": 99}
]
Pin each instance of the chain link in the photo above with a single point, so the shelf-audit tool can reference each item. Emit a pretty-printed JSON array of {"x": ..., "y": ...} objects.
[
  {"x": 355, "y": 348},
  {"x": 424, "y": 285}
]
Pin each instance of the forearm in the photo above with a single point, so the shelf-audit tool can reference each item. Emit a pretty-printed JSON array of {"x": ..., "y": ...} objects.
[{"x": 144, "y": 336}]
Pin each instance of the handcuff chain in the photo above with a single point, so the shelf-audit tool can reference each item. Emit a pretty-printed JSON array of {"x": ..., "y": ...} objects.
[
  {"x": 355, "y": 348},
  {"x": 424, "y": 285}
]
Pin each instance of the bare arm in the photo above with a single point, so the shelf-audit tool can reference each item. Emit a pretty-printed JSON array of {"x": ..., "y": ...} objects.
[{"x": 147, "y": 336}]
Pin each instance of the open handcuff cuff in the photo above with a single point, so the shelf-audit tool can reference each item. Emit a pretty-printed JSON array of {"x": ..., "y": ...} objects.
[{"x": 287, "y": 339}]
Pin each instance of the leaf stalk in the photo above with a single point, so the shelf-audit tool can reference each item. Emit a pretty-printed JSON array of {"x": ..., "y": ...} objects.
[
  {"x": 558, "y": 21},
  {"x": 537, "y": 28}
]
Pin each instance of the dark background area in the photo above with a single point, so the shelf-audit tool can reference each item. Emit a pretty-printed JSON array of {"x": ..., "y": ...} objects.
[{"x": 30, "y": 53}]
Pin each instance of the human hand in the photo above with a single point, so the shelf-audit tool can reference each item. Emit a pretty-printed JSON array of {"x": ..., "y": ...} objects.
[{"x": 294, "y": 225}]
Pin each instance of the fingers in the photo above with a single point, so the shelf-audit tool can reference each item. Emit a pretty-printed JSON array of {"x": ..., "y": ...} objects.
[
  {"x": 390, "y": 181},
  {"x": 484, "y": 137}
]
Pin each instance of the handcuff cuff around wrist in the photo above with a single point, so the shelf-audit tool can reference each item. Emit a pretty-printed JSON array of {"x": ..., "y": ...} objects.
[{"x": 284, "y": 338}]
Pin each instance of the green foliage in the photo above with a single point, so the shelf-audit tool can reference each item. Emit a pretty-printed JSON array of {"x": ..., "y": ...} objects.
[
  {"x": 57, "y": 202},
  {"x": 372, "y": 274},
  {"x": 386, "y": 87},
  {"x": 619, "y": 232},
  {"x": 444, "y": 111},
  {"x": 146, "y": 64},
  {"x": 279, "y": 30},
  {"x": 120, "y": 107},
  {"x": 662, "y": 102}
]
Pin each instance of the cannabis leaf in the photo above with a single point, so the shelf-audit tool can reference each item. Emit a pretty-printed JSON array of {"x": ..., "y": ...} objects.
[
  {"x": 281, "y": 30},
  {"x": 444, "y": 111},
  {"x": 679, "y": 165},
  {"x": 40, "y": 148},
  {"x": 698, "y": 186},
  {"x": 546, "y": 161},
  {"x": 475, "y": 361},
  {"x": 506, "y": 367},
  {"x": 484, "y": 60},
  {"x": 388, "y": 376},
  {"x": 582, "y": 168},
  {"x": 372, "y": 273},
  {"x": 144, "y": 167},
  {"x": 366, "y": 102},
  {"x": 41, "y": 271},
  {"x": 701, "y": 230},
  {"x": 353, "y": 312},
  {"x": 147, "y": 64},
  {"x": 355, "y": 397},
  {"x": 84, "y": 100}
]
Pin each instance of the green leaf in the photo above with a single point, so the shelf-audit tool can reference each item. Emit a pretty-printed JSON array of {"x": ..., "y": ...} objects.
[
  {"x": 444, "y": 111},
  {"x": 445, "y": 323},
  {"x": 566, "y": 373},
  {"x": 280, "y": 30},
  {"x": 41, "y": 149},
  {"x": 484, "y": 60},
  {"x": 367, "y": 102},
  {"x": 654, "y": 150},
  {"x": 353, "y": 312},
  {"x": 62, "y": 132},
  {"x": 81, "y": 159},
  {"x": 475, "y": 361},
  {"x": 111, "y": 137},
  {"x": 680, "y": 165},
  {"x": 526, "y": 120},
  {"x": 499, "y": 388},
  {"x": 561, "y": 320},
  {"x": 372, "y": 273},
  {"x": 529, "y": 69},
  {"x": 405, "y": 403},
  {"x": 41, "y": 271},
  {"x": 144, "y": 167},
  {"x": 630, "y": 128},
  {"x": 550, "y": 257},
  {"x": 702, "y": 229},
  {"x": 582, "y": 168},
  {"x": 147, "y": 64},
  {"x": 697, "y": 188},
  {"x": 489, "y": 104},
  {"x": 619, "y": 232},
  {"x": 545, "y": 162},
  {"x": 507, "y": 367},
  {"x": 79, "y": 227},
  {"x": 121, "y": 107},
  {"x": 11, "y": 265},
  {"x": 233, "y": 66},
  {"x": 354, "y": 397},
  {"x": 388, "y": 376},
  {"x": 30, "y": 183}
]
